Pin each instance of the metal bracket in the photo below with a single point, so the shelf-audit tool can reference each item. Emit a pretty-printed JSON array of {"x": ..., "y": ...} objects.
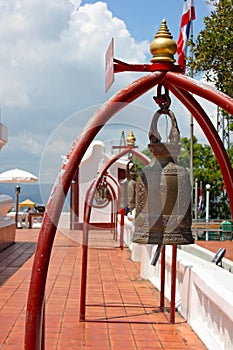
[{"x": 163, "y": 100}]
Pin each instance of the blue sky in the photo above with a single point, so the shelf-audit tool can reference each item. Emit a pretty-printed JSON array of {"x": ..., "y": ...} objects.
[
  {"x": 52, "y": 72},
  {"x": 143, "y": 17}
]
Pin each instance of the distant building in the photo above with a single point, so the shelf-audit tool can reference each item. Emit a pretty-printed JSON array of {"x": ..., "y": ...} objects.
[{"x": 3, "y": 135}]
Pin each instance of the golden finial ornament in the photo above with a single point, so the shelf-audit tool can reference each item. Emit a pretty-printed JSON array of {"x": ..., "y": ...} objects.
[
  {"x": 131, "y": 139},
  {"x": 163, "y": 47}
]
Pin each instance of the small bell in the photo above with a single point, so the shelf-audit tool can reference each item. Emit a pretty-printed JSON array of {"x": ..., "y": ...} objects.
[
  {"x": 102, "y": 194},
  {"x": 106, "y": 194},
  {"x": 131, "y": 176}
]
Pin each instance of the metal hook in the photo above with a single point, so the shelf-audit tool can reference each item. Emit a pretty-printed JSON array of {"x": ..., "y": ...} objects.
[{"x": 163, "y": 100}]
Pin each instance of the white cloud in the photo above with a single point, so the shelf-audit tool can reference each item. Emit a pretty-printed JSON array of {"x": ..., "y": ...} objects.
[
  {"x": 52, "y": 62},
  {"x": 52, "y": 66},
  {"x": 23, "y": 141},
  {"x": 50, "y": 52}
]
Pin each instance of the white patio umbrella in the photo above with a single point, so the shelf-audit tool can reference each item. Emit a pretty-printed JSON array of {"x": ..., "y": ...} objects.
[{"x": 17, "y": 176}]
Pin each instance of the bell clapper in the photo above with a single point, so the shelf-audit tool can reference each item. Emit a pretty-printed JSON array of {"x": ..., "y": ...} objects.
[{"x": 157, "y": 254}]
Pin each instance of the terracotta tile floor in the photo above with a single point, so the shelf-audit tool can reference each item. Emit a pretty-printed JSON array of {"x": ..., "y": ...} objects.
[{"x": 122, "y": 309}]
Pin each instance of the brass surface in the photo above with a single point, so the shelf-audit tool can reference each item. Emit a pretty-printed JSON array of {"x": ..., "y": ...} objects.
[
  {"x": 163, "y": 192},
  {"x": 163, "y": 47},
  {"x": 131, "y": 138}
]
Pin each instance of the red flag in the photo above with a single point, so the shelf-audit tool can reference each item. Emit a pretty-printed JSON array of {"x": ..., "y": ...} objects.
[{"x": 187, "y": 16}]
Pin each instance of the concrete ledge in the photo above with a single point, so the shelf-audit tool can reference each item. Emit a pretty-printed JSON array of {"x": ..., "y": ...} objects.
[
  {"x": 136, "y": 254},
  {"x": 206, "y": 255},
  {"x": 7, "y": 232},
  {"x": 135, "y": 248},
  {"x": 204, "y": 296}
]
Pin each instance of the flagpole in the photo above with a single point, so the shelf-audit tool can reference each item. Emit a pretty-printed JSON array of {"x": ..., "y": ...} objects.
[
  {"x": 200, "y": 199},
  {"x": 191, "y": 116},
  {"x": 186, "y": 30},
  {"x": 196, "y": 198}
]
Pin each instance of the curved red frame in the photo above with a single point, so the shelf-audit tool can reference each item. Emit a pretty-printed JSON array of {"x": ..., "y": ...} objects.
[
  {"x": 114, "y": 213},
  {"x": 34, "y": 314},
  {"x": 92, "y": 189},
  {"x": 87, "y": 205},
  {"x": 201, "y": 117},
  {"x": 87, "y": 214}
]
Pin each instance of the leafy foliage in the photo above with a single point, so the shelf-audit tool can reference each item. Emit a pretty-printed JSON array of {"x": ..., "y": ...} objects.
[
  {"x": 207, "y": 171},
  {"x": 213, "y": 52},
  {"x": 139, "y": 164}
]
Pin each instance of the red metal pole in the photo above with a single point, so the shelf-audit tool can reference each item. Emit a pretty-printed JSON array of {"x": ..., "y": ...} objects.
[
  {"x": 84, "y": 272},
  {"x": 115, "y": 227},
  {"x": 43, "y": 329},
  {"x": 141, "y": 156},
  {"x": 173, "y": 285},
  {"x": 122, "y": 223},
  {"x": 112, "y": 217},
  {"x": 71, "y": 205},
  {"x": 61, "y": 187},
  {"x": 199, "y": 114},
  {"x": 57, "y": 198},
  {"x": 115, "y": 213},
  {"x": 75, "y": 201},
  {"x": 162, "y": 278},
  {"x": 87, "y": 214},
  {"x": 117, "y": 184},
  {"x": 114, "y": 203},
  {"x": 186, "y": 83}
]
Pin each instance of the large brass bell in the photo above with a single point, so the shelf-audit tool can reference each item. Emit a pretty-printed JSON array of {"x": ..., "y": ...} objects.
[{"x": 163, "y": 192}]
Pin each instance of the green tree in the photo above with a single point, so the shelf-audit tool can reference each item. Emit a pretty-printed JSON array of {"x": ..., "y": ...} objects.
[
  {"x": 212, "y": 51},
  {"x": 207, "y": 171},
  {"x": 139, "y": 164}
]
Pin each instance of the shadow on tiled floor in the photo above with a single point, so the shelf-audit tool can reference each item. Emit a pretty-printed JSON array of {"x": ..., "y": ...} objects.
[
  {"x": 122, "y": 310},
  {"x": 12, "y": 258}
]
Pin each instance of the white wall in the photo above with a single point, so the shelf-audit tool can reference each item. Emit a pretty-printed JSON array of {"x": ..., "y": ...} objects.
[
  {"x": 204, "y": 291},
  {"x": 93, "y": 162}
]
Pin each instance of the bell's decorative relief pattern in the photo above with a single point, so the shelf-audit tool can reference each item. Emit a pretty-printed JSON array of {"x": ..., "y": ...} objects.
[{"x": 163, "y": 192}]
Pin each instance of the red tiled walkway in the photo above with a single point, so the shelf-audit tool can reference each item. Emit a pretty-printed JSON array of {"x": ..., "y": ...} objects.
[{"x": 121, "y": 308}]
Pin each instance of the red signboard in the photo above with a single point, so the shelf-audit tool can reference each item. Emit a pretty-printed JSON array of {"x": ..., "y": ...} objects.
[{"x": 109, "y": 66}]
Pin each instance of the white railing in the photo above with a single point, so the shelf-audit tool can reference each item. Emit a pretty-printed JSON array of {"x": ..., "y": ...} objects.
[{"x": 204, "y": 291}]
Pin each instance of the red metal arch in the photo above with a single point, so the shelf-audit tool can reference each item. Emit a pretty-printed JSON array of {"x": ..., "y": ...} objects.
[
  {"x": 87, "y": 203},
  {"x": 92, "y": 189},
  {"x": 203, "y": 120},
  {"x": 87, "y": 214},
  {"x": 34, "y": 317},
  {"x": 117, "y": 185},
  {"x": 90, "y": 197},
  {"x": 35, "y": 309},
  {"x": 114, "y": 213}
]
